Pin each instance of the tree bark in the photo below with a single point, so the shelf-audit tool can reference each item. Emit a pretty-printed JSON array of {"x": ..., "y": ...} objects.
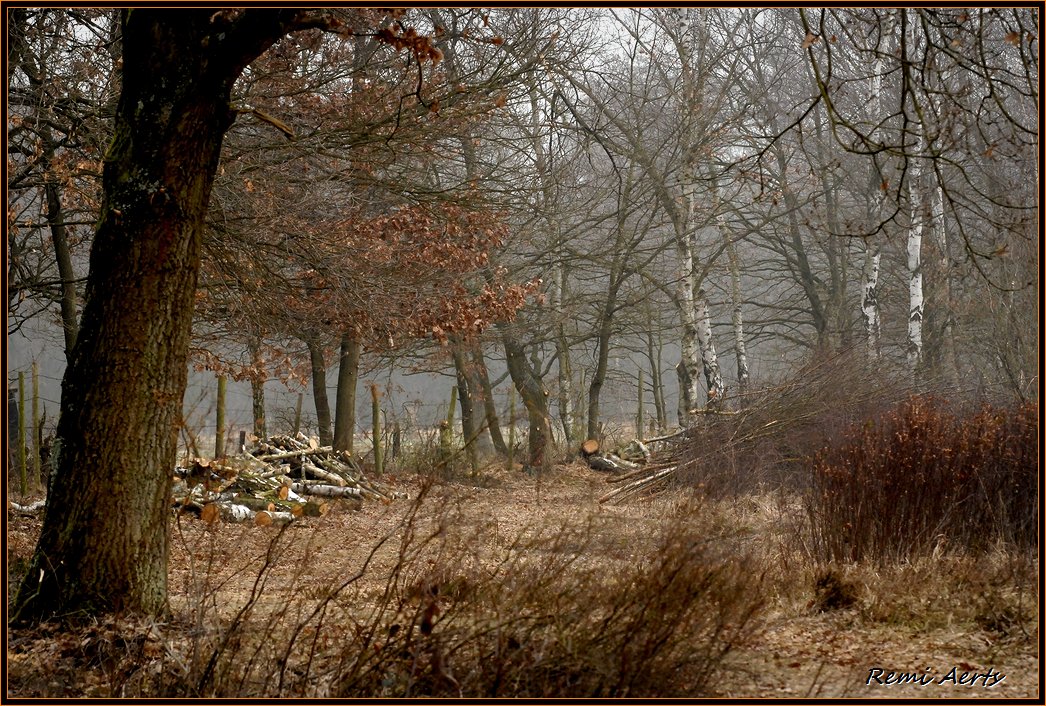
[
  {"x": 469, "y": 423},
  {"x": 599, "y": 375},
  {"x": 877, "y": 186},
  {"x": 489, "y": 408},
  {"x": 915, "y": 272},
  {"x": 940, "y": 343},
  {"x": 319, "y": 390},
  {"x": 737, "y": 316},
  {"x": 697, "y": 344},
  {"x": 564, "y": 389},
  {"x": 123, "y": 387},
  {"x": 918, "y": 207},
  {"x": 63, "y": 258},
  {"x": 654, "y": 356},
  {"x": 535, "y": 399},
  {"x": 219, "y": 424},
  {"x": 257, "y": 390},
  {"x": 869, "y": 295},
  {"x": 709, "y": 358},
  {"x": 345, "y": 404}
]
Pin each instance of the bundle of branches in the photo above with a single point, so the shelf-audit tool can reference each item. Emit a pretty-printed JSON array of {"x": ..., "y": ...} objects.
[
  {"x": 768, "y": 436},
  {"x": 276, "y": 482}
]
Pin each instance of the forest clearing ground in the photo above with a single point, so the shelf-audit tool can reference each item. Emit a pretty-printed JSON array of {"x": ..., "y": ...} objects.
[{"x": 797, "y": 652}]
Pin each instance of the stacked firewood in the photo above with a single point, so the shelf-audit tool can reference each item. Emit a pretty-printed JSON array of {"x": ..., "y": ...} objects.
[{"x": 276, "y": 482}]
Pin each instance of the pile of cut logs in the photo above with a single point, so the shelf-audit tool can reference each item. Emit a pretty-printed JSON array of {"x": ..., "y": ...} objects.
[
  {"x": 633, "y": 467},
  {"x": 279, "y": 480}
]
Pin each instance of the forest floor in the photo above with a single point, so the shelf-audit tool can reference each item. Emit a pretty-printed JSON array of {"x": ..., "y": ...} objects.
[{"x": 976, "y": 616}]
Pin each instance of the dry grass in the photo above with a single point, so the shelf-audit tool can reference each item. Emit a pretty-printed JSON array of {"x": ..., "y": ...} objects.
[
  {"x": 521, "y": 586},
  {"x": 919, "y": 478}
]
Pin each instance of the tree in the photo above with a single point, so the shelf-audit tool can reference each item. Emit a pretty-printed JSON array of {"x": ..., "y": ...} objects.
[
  {"x": 103, "y": 545},
  {"x": 59, "y": 122}
]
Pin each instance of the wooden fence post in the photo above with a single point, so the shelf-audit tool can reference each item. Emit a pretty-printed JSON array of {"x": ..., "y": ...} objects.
[
  {"x": 511, "y": 425},
  {"x": 219, "y": 426},
  {"x": 375, "y": 411},
  {"x": 21, "y": 432},
  {"x": 639, "y": 412},
  {"x": 36, "y": 432}
]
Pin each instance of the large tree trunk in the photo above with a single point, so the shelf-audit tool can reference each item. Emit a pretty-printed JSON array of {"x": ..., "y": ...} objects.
[
  {"x": 535, "y": 399},
  {"x": 469, "y": 422},
  {"x": 103, "y": 545},
  {"x": 345, "y": 405},
  {"x": 319, "y": 390}
]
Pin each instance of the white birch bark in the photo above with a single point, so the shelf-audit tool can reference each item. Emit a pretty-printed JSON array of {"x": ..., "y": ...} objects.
[
  {"x": 869, "y": 297},
  {"x": 565, "y": 391},
  {"x": 736, "y": 313},
  {"x": 697, "y": 344},
  {"x": 917, "y": 221},
  {"x": 915, "y": 271},
  {"x": 873, "y": 251},
  {"x": 709, "y": 359},
  {"x": 942, "y": 286}
]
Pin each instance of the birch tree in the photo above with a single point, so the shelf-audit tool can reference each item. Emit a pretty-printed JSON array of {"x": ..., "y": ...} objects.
[{"x": 690, "y": 39}]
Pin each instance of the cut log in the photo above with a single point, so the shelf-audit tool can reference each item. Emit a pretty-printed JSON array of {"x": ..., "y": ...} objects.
[
  {"x": 599, "y": 463},
  {"x": 229, "y": 512},
  {"x": 259, "y": 481},
  {"x": 28, "y": 510},
  {"x": 315, "y": 470},
  {"x": 266, "y": 518},
  {"x": 251, "y": 502},
  {"x": 589, "y": 447},
  {"x": 315, "y": 508},
  {"x": 635, "y": 451},
  {"x": 610, "y": 463},
  {"x": 331, "y": 491}
]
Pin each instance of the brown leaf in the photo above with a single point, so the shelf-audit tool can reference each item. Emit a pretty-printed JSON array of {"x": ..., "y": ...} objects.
[
  {"x": 1014, "y": 38},
  {"x": 810, "y": 40}
]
